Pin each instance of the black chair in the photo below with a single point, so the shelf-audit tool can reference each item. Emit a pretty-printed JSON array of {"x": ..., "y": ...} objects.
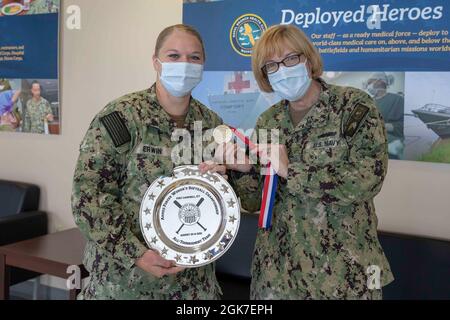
[
  {"x": 20, "y": 219},
  {"x": 233, "y": 268},
  {"x": 421, "y": 266}
]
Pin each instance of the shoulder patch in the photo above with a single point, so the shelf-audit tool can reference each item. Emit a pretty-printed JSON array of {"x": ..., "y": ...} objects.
[
  {"x": 117, "y": 129},
  {"x": 357, "y": 118}
]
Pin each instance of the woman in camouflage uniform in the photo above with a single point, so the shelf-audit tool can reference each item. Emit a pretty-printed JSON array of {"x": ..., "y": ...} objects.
[
  {"x": 331, "y": 157},
  {"x": 127, "y": 146}
]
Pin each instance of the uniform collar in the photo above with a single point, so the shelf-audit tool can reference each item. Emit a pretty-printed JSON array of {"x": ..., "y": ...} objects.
[
  {"x": 156, "y": 116},
  {"x": 319, "y": 114},
  {"x": 36, "y": 102}
]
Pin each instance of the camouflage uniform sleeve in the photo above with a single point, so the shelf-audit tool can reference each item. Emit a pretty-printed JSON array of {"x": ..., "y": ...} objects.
[
  {"x": 248, "y": 186},
  {"x": 355, "y": 179},
  {"x": 26, "y": 120},
  {"x": 48, "y": 108},
  {"x": 96, "y": 198},
  {"x": 216, "y": 120}
]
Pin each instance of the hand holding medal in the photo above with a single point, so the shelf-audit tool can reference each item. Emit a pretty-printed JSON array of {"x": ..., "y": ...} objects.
[{"x": 223, "y": 135}]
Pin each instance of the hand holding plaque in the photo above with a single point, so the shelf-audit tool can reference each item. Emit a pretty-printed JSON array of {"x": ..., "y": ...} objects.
[{"x": 190, "y": 217}]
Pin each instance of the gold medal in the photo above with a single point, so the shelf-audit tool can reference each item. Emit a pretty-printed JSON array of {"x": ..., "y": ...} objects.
[{"x": 222, "y": 134}]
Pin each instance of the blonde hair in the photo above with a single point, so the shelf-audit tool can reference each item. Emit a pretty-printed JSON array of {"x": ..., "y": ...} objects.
[
  {"x": 273, "y": 42},
  {"x": 180, "y": 27}
]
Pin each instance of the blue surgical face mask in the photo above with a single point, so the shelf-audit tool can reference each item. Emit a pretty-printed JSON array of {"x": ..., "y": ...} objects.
[
  {"x": 291, "y": 83},
  {"x": 372, "y": 90},
  {"x": 375, "y": 91},
  {"x": 180, "y": 78}
]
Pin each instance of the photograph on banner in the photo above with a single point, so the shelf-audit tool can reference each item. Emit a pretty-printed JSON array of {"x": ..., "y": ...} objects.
[
  {"x": 235, "y": 97},
  {"x": 388, "y": 91},
  {"x": 29, "y": 106},
  {"x": 415, "y": 109},
  {"x": 427, "y": 116},
  {"x": 23, "y": 7},
  {"x": 29, "y": 86}
]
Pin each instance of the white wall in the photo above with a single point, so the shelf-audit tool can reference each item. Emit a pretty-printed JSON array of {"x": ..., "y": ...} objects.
[
  {"x": 111, "y": 56},
  {"x": 415, "y": 199}
]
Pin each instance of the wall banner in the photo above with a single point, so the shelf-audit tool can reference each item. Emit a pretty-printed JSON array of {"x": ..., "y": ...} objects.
[
  {"x": 29, "y": 49},
  {"x": 403, "y": 44}
]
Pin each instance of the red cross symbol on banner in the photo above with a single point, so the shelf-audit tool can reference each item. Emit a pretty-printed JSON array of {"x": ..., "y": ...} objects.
[{"x": 239, "y": 84}]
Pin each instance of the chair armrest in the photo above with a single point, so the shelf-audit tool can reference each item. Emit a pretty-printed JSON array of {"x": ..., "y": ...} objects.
[{"x": 22, "y": 226}]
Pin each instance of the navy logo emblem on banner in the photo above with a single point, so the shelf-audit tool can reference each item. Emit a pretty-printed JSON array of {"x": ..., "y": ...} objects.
[{"x": 246, "y": 30}]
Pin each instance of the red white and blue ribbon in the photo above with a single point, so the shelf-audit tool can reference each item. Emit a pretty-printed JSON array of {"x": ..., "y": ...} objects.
[
  {"x": 269, "y": 190},
  {"x": 268, "y": 199}
]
